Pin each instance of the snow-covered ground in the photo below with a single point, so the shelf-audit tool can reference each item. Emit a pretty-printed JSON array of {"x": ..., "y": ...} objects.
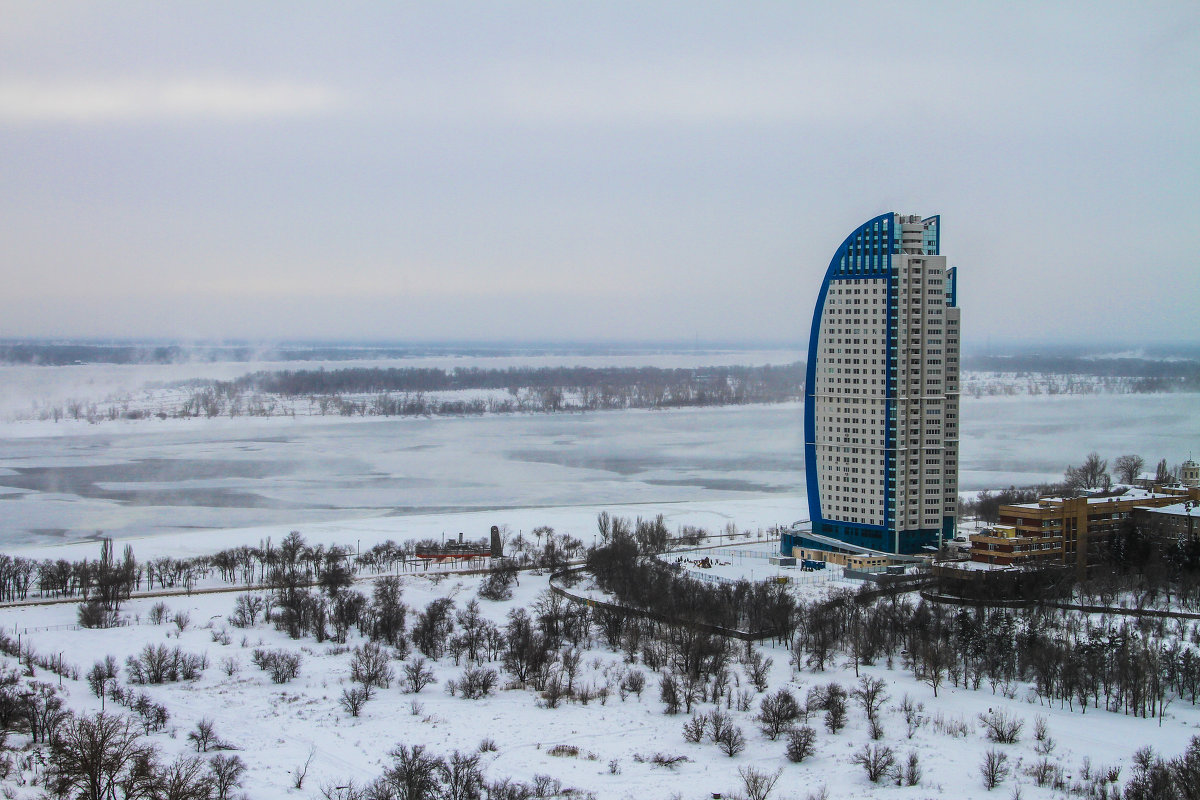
[{"x": 275, "y": 727}]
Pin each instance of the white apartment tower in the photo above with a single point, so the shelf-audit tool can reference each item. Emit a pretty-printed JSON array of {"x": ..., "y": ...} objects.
[{"x": 881, "y": 396}]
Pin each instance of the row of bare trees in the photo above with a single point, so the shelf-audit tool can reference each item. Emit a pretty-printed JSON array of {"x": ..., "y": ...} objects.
[
  {"x": 625, "y": 565},
  {"x": 1136, "y": 667},
  {"x": 109, "y": 580}
]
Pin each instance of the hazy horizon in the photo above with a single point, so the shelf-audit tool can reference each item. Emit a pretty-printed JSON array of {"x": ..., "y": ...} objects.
[
  {"x": 617, "y": 171},
  {"x": 1101, "y": 348}
]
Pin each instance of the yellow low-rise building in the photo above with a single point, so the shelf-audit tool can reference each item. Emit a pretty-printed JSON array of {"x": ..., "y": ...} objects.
[{"x": 858, "y": 561}]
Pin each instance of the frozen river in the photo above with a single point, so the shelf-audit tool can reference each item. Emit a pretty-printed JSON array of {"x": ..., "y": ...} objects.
[{"x": 67, "y": 481}]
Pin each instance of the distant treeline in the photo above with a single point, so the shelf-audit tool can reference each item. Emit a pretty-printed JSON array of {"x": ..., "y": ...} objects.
[
  {"x": 57, "y": 355},
  {"x": 1167, "y": 374},
  {"x": 403, "y": 392},
  {"x": 609, "y": 386},
  {"x": 63, "y": 353}
]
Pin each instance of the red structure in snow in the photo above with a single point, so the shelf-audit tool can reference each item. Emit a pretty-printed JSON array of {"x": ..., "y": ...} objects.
[{"x": 460, "y": 550}]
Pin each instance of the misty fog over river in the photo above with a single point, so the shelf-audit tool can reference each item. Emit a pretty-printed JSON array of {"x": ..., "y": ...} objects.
[{"x": 155, "y": 477}]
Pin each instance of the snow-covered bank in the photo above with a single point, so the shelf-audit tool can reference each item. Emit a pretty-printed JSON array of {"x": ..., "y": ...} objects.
[{"x": 579, "y": 521}]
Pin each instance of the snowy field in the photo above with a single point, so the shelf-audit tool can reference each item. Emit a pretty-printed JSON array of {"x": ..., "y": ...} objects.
[{"x": 275, "y": 727}]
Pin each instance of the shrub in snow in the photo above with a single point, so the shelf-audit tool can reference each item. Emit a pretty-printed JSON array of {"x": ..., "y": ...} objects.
[
  {"x": 757, "y": 669},
  {"x": 835, "y": 714},
  {"x": 668, "y": 692},
  {"x": 993, "y": 769},
  {"x": 246, "y": 610},
  {"x": 777, "y": 713},
  {"x": 93, "y": 614},
  {"x": 802, "y": 743},
  {"x": 417, "y": 675},
  {"x": 758, "y": 785},
  {"x": 431, "y": 633},
  {"x": 477, "y": 682},
  {"x": 498, "y": 585},
  {"x": 156, "y": 663},
  {"x": 226, "y": 772},
  {"x": 877, "y": 760},
  {"x": 914, "y": 717},
  {"x": 871, "y": 695},
  {"x": 370, "y": 666},
  {"x": 353, "y": 700},
  {"x": 634, "y": 682},
  {"x": 668, "y": 760},
  {"x": 912, "y": 771},
  {"x": 100, "y": 673},
  {"x": 719, "y": 724},
  {"x": 204, "y": 737},
  {"x": 693, "y": 729},
  {"x": 282, "y": 664},
  {"x": 158, "y": 613},
  {"x": 386, "y": 615},
  {"x": 554, "y": 692},
  {"x": 1002, "y": 727},
  {"x": 732, "y": 741}
]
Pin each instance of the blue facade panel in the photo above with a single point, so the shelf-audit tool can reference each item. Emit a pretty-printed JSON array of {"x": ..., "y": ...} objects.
[{"x": 867, "y": 253}]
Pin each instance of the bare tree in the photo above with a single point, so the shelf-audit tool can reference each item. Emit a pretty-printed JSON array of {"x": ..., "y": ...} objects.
[
  {"x": 1162, "y": 473},
  {"x": 634, "y": 682},
  {"x": 204, "y": 736},
  {"x": 1128, "y": 467},
  {"x": 353, "y": 700},
  {"x": 417, "y": 675},
  {"x": 835, "y": 712},
  {"x": 370, "y": 667},
  {"x": 301, "y": 772},
  {"x": 693, "y": 729},
  {"x": 758, "y": 785},
  {"x": 1091, "y": 474},
  {"x": 462, "y": 777},
  {"x": 732, "y": 741},
  {"x": 993, "y": 769},
  {"x": 777, "y": 713},
  {"x": 246, "y": 609},
  {"x": 758, "y": 669},
  {"x": 184, "y": 779},
  {"x": 1002, "y": 727},
  {"x": 876, "y": 759},
  {"x": 934, "y": 659},
  {"x": 226, "y": 774},
  {"x": 912, "y": 772},
  {"x": 91, "y": 756},
  {"x": 871, "y": 695},
  {"x": 802, "y": 743},
  {"x": 414, "y": 775}
]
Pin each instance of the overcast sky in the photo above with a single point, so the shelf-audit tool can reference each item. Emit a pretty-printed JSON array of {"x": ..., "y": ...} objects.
[{"x": 579, "y": 171}]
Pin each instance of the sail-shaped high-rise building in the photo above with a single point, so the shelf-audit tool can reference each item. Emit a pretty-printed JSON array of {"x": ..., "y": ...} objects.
[{"x": 881, "y": 394}]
